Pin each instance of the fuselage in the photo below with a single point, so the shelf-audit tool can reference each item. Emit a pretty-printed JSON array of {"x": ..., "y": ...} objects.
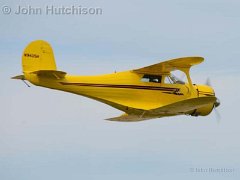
[{"x": 124, "y": 90}]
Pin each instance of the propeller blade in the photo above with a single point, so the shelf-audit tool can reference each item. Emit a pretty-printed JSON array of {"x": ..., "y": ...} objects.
[
  {"x": 208, "y": 82},
  {"x": 218, "y": 115},
  {"x": 216, "y": 104}
]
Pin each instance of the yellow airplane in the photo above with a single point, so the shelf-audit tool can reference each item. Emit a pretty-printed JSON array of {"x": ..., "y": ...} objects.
[{"x": 144, "y": 93}]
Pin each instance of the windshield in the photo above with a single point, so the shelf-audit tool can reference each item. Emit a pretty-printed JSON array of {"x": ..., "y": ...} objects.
[{"x": 172, "y": 79}]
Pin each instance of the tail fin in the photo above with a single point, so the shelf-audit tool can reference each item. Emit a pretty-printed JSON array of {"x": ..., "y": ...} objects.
[
  {"x": 38, "y": 55},
  {"x": 38, "y": 59}
]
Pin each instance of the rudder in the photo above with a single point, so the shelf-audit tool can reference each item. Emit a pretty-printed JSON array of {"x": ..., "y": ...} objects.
[{"x": 38, "y": 55}]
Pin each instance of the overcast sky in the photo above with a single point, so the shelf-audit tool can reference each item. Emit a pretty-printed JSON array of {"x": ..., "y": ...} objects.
[{"x": 47, "y": 134}]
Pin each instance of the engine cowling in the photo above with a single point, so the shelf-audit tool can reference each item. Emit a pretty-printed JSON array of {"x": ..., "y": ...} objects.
[
  {"x": 203, "y": 91},
  {"x": 203, "y": 111}
]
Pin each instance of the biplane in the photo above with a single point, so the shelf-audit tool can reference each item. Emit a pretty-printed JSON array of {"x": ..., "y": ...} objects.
[{"x": 144, "y": 93}]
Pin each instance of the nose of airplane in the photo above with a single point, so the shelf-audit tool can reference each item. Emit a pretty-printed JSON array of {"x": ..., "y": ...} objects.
[{"x": 217, "y": 103}]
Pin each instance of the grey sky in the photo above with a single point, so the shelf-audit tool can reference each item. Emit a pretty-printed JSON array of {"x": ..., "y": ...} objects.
[{"x": 46, "y": 134}]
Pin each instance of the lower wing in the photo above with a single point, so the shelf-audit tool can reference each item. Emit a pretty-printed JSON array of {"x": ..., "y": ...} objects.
[
  {"x": 130, "y": 118},
  {"x": 178, "y": 108}
]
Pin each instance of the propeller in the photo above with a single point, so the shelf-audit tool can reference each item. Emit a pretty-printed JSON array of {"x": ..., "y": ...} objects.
[
  {"x": 208, "y": 82},
  {"x": 216, "y": 103}
]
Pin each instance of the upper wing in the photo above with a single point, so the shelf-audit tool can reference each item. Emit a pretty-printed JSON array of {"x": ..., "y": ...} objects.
[{"x": 170, "y": 65}]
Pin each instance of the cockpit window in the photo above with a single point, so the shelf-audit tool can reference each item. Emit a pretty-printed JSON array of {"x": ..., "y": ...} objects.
[
  {"x": 151, "y": 78},
  {"x": 171, "y": 79}
]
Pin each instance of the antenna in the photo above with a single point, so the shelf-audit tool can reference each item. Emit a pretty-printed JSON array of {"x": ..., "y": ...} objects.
[{"x": 26, "y": 83}]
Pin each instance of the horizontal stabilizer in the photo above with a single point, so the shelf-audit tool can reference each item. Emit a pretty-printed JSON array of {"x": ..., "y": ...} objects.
[
  {"x": 19, "y": 77},
  {"x": 50, "y": 74}
]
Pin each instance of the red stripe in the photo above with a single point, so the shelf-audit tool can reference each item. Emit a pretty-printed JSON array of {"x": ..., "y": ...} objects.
[{"x": 122, "y": 86}]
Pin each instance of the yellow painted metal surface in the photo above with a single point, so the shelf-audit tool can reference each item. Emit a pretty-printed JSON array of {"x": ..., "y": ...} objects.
[{"x": 122, "y": 90}]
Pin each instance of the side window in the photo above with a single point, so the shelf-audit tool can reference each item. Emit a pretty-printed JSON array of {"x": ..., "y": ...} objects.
[{"x": 151, "y": 78}]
